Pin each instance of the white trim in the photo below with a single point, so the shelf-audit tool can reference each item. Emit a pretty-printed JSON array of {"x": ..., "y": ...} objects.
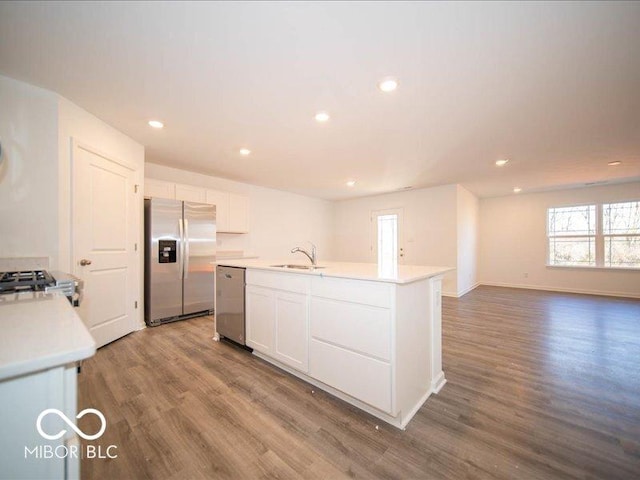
[
  {"x": 467, "y": 290},
  {"x": 449, "y": 294},
  {"x": 437, "y": 383},
  {"x": 565, "y": 290}
]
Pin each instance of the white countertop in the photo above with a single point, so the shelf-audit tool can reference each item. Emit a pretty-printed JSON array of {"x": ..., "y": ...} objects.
[
  {"x": 40, "y": 331},
  {"x": 359, "y": 271}
]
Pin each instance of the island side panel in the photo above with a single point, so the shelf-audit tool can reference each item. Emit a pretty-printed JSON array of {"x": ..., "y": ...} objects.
[
  {"x": 437, "y": 375},
  {"x": 413, "y": 347}
]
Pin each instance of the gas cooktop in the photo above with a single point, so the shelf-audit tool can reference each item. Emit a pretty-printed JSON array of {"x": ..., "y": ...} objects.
[{"x": 25, "y": 281}]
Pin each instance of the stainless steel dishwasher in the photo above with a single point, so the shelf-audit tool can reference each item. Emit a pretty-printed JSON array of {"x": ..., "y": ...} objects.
[{"x": 230, "y": 303}]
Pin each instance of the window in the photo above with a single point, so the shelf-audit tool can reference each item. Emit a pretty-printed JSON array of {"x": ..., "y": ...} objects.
[
  {"x": 606, "y": 235},
  {"x": 621, "y": 230},
  {"x": 572, "y": 235},
  {"x": 386, "y": 240}
]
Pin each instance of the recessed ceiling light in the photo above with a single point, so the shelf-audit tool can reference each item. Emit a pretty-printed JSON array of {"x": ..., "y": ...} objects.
[
  {"x": 322, "y": 117},
  {"x": 388, "y": 84},
  {"x": 502, "y": 162},
  {"x": 351, "y": 183},
  {"x": 517, "y": 190},
  {"x": 156, "y": 124},
  {"x": 614, "y": 164},
  {"x": 245, "y": 151}
]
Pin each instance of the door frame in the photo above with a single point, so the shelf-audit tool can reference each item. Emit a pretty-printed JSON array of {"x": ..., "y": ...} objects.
[{"x": 137, "y": 265}]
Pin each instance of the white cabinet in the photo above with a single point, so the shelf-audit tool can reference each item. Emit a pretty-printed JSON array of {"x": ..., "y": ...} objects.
[
  {"x": 232, "y": 209},
  {"x": 238, "y": 213},
  {"x": 221, "y": 201},
  {"x": 24, "y": 398},
  {"x": 291, "y": 323},
  {"x": 159, "y": 189},
  {"x": 350, "y": 346},
  {"x": 189, "y": 193},
  {"x": 278, "y": 320},
  {"x": 260, "y": 318},
  {"x": 376, "y": 345}
]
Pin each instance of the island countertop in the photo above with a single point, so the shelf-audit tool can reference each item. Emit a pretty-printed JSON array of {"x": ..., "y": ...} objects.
[
  {"x": 358, "y": 271},
  {"x": 40, "y": 331}
]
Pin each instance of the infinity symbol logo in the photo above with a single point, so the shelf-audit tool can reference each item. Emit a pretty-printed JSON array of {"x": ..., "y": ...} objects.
[{"x": 71, "y": 424}]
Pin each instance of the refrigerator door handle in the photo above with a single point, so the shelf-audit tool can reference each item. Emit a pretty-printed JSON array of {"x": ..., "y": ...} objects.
[
  {"x": 181, "y": 249},
  {"x": 185, "y": 261}
]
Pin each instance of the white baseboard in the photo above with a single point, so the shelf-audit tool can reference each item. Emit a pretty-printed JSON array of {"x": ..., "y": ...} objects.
[
  {"x": 472, "y": 287},
  {"x": 564, "y": 290}
]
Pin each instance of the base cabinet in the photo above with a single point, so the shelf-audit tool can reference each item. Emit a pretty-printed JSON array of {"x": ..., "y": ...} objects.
[
  {"x": 24, "y": 398},
  {"x": 277, "y": 324},
  {"x": 260, "y": 318},
  {"x": 291, "y": 324},
  {"x": 376, "y": 345}
]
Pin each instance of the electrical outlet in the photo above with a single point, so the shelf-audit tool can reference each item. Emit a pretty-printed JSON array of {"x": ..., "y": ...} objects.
[{"x": 526, "y": 275}]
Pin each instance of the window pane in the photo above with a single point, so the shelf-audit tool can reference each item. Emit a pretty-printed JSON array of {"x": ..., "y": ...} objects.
[
  {"x": 579, "y": 220},
  {"x": 622, "y": 251},
  {"x": 388, "y": 241},
  {"x": 572, "y": 251},
  {"x": 621, "y": 218}
]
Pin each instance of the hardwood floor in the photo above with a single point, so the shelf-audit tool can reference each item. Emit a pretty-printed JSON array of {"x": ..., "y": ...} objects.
[{"x": 540, "y": 385}]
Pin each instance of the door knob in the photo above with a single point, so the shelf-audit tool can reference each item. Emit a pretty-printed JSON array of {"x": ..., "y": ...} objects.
[{"x": 84, "y": 262}]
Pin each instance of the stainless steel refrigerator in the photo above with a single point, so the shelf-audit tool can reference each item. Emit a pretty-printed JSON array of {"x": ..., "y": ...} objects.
[{"x": 180, "y": 248}]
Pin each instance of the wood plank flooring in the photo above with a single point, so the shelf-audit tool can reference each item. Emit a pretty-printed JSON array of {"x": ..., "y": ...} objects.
[{"x": 541, "y": 385}]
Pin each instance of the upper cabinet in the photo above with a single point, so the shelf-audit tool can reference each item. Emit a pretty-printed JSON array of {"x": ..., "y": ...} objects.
[
  {"x": 238, "y": 213},
  {"x": 232, "y": 209},
  {"x": 221, "y": 201},
  {"x": 159, "y": 189},
  {"x": 189, "y": 193}
]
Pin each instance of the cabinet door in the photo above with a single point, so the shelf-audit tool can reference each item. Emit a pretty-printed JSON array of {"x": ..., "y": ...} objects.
[
  {"x": 291, "y": 346},
  {"x": 260, "y": 318},
  {"x": 189, "y": 193},
  {"x": 238, "y": 213},
  {"x": 221, "y": 201},
  {"x": 159, "y": 189}
]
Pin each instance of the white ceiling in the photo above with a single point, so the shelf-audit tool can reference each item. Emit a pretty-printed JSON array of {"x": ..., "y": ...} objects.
[{"x": 553, "y": 87}]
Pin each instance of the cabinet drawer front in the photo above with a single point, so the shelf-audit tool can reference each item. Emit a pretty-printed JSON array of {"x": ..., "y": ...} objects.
[
  {"x": 364, "y": 378},
  {"x": 356, "y": 291},
  {"x": 289, "y": 282},
  {"x": 357, "y": 327}
]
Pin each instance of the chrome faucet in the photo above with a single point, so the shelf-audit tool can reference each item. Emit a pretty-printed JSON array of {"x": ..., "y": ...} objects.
[{"x": 311, "y": 257}]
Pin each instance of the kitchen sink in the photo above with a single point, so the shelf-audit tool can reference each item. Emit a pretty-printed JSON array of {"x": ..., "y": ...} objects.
[{"x": 299, "y": 267}]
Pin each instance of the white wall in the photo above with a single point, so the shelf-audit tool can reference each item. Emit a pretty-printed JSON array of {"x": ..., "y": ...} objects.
[
  {"x": 467, "y": 235},
  {"x": 513, "y": 243},
  {"x": 278, "y": 220},
  {"x": 28, "y": 171},
  {"x": 429, "y": 228}
]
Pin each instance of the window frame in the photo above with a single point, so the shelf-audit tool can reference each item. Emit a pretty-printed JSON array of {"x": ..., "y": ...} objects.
[{"x": 599, "y": 237}]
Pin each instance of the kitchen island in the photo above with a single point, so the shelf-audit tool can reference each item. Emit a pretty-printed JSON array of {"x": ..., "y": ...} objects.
[
  {"x": 368, "y": 336},
  {"x": 42, "y": 340}
]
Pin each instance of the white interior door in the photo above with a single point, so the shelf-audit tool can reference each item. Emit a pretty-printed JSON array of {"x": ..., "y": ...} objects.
[{"x": 104, "y": 240}]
